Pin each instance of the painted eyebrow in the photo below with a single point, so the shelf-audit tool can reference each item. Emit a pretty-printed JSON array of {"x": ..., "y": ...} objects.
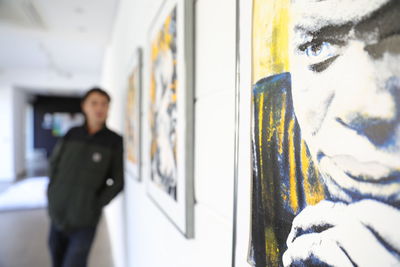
[
  {"x": 336, "y": 34},
  {"x": 384, "y": 20}
]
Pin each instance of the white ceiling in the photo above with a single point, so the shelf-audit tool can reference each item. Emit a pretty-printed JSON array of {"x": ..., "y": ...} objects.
[{"x": 64, "y": 36}]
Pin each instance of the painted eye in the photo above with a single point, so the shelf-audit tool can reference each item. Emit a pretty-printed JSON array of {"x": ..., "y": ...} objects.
[
  {"x": 320, "y": 55},
  {"x": 321, "y": 50}
]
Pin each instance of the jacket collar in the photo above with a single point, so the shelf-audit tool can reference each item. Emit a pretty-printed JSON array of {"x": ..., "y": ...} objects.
[{"x": 85, "y": 128}]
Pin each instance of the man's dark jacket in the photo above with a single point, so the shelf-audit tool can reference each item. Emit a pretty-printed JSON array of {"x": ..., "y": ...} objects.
[{"x": 81, "y": 167}]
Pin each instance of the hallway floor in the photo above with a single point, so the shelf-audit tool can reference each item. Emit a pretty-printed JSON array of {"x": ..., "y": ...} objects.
[
  {"x": 23, "y": 238},
  {"x": 24, "y": 232}
]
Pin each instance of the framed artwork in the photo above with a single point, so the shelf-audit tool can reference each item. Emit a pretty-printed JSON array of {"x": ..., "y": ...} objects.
[
  {"x": 169, "y": 105},
  {"x": 324, "y": 128},
  {"x": 133, "y": 117}
]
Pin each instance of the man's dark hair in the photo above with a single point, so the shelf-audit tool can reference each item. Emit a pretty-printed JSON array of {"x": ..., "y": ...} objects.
[{"x": 95, "y": 90}]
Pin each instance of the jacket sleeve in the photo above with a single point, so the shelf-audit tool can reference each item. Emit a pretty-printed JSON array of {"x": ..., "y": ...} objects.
[
  {"x": 116, "y": 173},
  {"x": 55, "y": 158}
]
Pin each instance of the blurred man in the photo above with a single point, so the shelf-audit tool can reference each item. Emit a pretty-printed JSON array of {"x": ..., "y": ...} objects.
[
  {"x": 346, "y": 96},
  {"x": 86, "y": 173}
]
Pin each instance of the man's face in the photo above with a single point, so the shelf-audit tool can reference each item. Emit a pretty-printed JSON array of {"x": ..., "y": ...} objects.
[
  {"x": 346, "y": 93},
  {"x": 95, "y": 108}
]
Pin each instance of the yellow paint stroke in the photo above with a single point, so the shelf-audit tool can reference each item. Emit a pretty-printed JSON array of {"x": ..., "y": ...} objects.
[
  {"x": 271, "y": 247},
  {"x": 175, "y": 147},
  {"x": 294, "y": 201},
  {"x": 155, "y": 50},
  {"x": 281, "y": 126},
  {"x": 314, "y": 191},
  {"x": 152, "y": 88},
  {"x": 173, "y": 87},
  {"x": 174, "y": 84},
  {"x": 318, "y": 178},
  {"x": 153, "y": 148},
  {"x": 167, "y": 36},
  {"x": 280, "y": 37},
  {"x": 260, "y": 127},
  {"x": 305, "y": 164},
  {"x": 270, "y": 53}
]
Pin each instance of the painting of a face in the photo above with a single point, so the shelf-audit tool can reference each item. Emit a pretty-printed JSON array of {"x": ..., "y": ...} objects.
[
  {"x": 163, "y": 109},
  {"x": 325, "y": 133},
  {"x": 346, "y": 93}
]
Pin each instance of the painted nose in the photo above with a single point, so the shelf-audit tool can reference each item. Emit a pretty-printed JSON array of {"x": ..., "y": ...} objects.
[{"x": 377, "y": 118}]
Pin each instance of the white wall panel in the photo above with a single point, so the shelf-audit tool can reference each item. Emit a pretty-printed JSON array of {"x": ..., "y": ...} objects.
[
  {"x": 6, "y": 135},
  {"x": 214, "y": 151},
  {"x": 19, "y": 130},
  {"x": 215, "y": 33}
]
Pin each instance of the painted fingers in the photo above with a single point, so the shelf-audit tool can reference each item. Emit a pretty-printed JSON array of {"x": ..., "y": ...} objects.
[{"x": 336, "y": 234}]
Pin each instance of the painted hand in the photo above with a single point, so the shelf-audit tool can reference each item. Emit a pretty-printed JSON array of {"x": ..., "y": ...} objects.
[{"x": 363, "y": 233}]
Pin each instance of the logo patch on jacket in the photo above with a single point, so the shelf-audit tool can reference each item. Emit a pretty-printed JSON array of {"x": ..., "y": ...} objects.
[{"x": 96, "y": 157}]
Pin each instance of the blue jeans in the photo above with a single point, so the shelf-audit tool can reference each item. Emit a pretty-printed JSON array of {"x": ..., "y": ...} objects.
[{"x": 70, "y": 249}]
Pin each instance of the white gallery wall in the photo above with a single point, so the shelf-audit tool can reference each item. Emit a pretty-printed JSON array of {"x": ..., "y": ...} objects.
[
  {"x": 19, "y": 108},
  {"x": 151, "y": 239},
  {"x": 6, "y": 134},
  {"x": 12, "y": 136}
]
